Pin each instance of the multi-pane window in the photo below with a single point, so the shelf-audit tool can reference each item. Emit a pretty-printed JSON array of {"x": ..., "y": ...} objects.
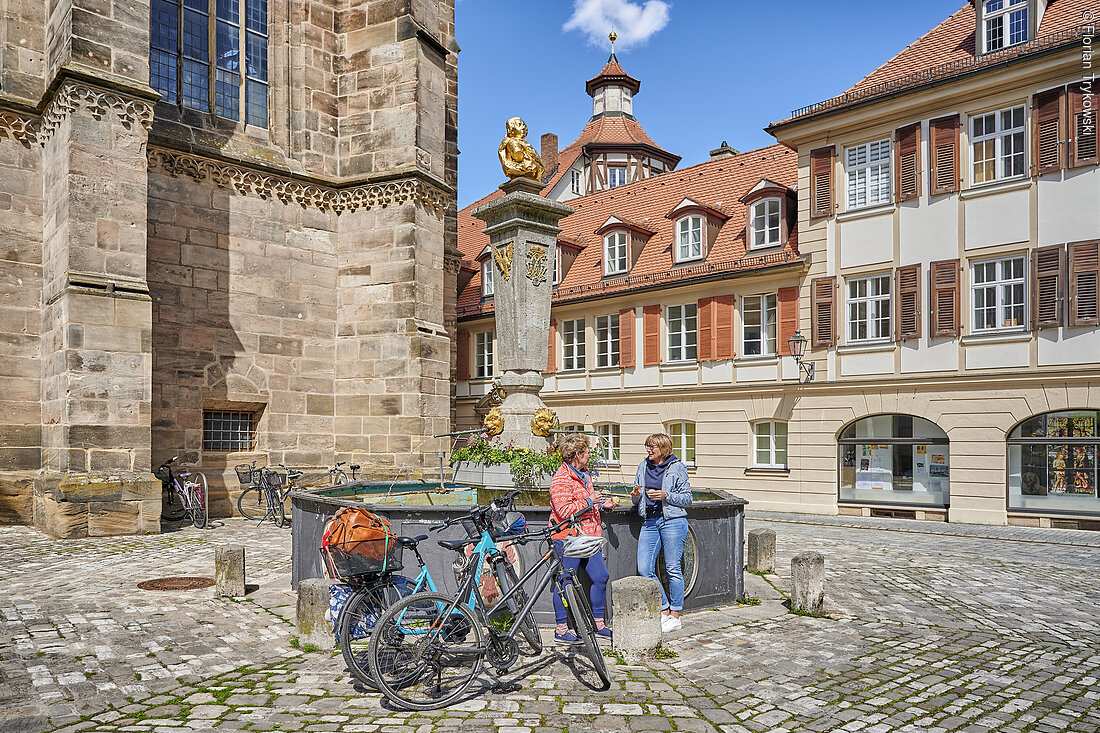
[
  {"x": 868, "y": 168},
  {"x": 616, "y": 176},
  {"x": 487, "y": 277},
  {"x": 689, "y": 238},
  {"x": 771, "y": 444},
  {"x": 758, "y": 336},
  {"x": 228, "y": 430},
  {"x": 765, "y": 223},
  {"x": 571, "y": 427},
  {"x": 614, "y": 253},
  {"x": 869, "y": 308},
  {"x": 997, "y": 289},
  {"x": 197, "y": 48},
  {"x": 683, "y": 441},
  {"x": 1005, "y": 23},
  {"x": 682, "y": 332},
  {"x": 607, "y": 341},
  {"x": 575, "y": 182},
  {"x": 483, "y": 348},
  {"x": 997, "y": 144},
  {"x": 572, "y": 340},
  {"x": 608, "y": 444}
]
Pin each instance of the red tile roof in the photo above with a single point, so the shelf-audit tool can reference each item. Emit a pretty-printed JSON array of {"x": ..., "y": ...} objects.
[
  {"x": 648, "y": 202},
  {"x": 613, "y": 73}
]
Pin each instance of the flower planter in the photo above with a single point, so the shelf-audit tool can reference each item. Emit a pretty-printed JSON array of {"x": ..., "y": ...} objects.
[{"x": 497, "y": 475}]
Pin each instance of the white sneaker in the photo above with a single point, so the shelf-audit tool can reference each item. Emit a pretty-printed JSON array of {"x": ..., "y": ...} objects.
[{"x": 670, "y": 624}]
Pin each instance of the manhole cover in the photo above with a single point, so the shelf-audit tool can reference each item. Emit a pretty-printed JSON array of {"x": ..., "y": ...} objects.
[{"x": 193, "y": 583}]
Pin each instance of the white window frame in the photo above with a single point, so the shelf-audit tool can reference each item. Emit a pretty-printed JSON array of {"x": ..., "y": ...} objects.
[
  {"x": 683, "y": 441},
  {"x": 766, "y": 225},
  {"x": 1008, "y": 289},
  {"x": 1011, "y": 19},
  {"x": 768, "y": 437},
  {"x": 571, "y": 427},
  {"x": 607, "y": 341},
  {"x": 575, "y": 181},
  {"x": 767, "y": 306},
  {"x": 483, "y": 355},
  {"x": 572, "y": 345},
  {"x": 611, "y": 176},
  {"x": 487, "y": 277},
  {"x": 868, "y": 174},
  {"x": 689, "y": 238},
  {"x": 609, "y": 445},
  {"x": 869, "y": 304},
  {"x": 557, "y": 265},
  {"x": 683, "y": 332},
  {"x": 616, "y": 252},
  {"x": 1002, "y": 149}
]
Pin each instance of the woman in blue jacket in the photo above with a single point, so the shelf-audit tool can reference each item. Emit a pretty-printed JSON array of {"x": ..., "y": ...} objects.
[{"x": 662, "y": 494}]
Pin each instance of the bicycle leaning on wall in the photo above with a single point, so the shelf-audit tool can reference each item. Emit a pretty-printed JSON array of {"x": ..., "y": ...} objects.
[
  {"x": 265, "y": 492},
  {"x": 186, "y": 490}
]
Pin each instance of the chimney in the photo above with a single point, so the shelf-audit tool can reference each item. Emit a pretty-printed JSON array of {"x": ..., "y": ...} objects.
[
  {"x": 550, "y": 153},
  {"x": 723, "y": 151}
]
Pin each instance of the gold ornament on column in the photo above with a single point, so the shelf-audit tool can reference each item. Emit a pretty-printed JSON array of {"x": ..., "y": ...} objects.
[
  {"x": 517, "y": 157},
  {"x": 494, "y": 422},
  {"x": 543, "y": 422}
]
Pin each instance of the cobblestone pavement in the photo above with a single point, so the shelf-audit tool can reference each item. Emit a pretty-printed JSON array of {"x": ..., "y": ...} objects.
[{"x": 956, "y": 628}]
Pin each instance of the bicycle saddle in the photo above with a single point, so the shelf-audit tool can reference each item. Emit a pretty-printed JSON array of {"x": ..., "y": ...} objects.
[
  {"x": 457, "y": 545},
  {"x": 412, "y": 541}
]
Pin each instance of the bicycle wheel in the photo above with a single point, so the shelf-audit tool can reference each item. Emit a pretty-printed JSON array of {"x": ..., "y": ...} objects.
[
  {"x": 356, "y": 623},
  {"x": 252, "y": 503},
  {"x": 584, "y": 626},
  {"x": 278, "y": 509},
  {"x": 422, "y": 661},
  {"x": 506, "y": 577},
  {"x": 199, "y": 509}
]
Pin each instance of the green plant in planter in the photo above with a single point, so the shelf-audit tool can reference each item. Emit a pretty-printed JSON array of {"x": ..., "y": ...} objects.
[{"x": 526, "y": 466}]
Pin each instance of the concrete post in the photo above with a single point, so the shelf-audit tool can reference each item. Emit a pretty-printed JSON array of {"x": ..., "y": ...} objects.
[
  {"x": 636, "y": 608},
  {"x": 808, "y": 582},
  {"x": 229, "y": 571},
  {"x": 313, "y": 628},
  {"x": 761, "y": 551}
]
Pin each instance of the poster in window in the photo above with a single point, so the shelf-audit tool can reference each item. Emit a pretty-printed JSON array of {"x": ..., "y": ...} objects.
[
  {"x": 938, "y": 468},
  {"x": 920, "y": 468},
  {"x": 1083, "y": 427},
  {"x": 876, "y": 467},
  {"x": 1081, "y": 482},
  {"x": 1058, "y": 427}
]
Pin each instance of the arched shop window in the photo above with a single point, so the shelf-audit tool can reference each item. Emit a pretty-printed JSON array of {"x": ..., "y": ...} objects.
[
  {"x": 894, "y": 459},
  {"x": 1052, "y": 463}
]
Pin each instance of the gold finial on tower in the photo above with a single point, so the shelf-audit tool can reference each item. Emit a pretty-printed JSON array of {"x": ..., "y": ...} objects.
[{"x": 612, "y": 36}]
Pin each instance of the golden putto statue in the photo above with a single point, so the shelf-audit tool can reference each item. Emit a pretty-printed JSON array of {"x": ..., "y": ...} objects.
[{"x": 517, "y": 157}]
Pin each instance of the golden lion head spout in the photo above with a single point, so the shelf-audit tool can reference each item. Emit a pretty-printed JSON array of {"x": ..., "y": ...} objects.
[
  {"x": 517, "y": 157},
  {"x": 543, "y": 422},
  {"x": 494, "y": 422}
]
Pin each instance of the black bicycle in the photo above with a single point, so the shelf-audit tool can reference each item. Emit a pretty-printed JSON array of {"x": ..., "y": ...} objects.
[
  {"x": 265, "y": 493},
  {"x": 187, "y": 490}
]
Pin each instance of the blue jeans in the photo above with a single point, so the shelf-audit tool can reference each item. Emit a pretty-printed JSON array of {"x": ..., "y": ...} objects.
[
  {"x": 597, "y": 572},
  {"x": 668, "y": 535}
]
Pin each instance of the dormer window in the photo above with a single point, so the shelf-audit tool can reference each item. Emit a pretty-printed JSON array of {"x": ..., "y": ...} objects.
[
  {"x": 766, "y": 229},
  {"x": 487, "y": 278},
  {"x": 616, "y": 176},
  {"x": 689, "y": 238},
  {"x": 615, "y": 253},
  {"x": 557, "y": 266},
  {"x": 575, "y": 181},
  {"x": 1005, "y": 23}
]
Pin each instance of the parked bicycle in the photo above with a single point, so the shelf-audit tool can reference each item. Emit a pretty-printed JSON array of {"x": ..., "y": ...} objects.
[
  {"x": 428, "y": 648},
  {"x": 189, "y": 489},
  {"x": 265, "y": 493},
  {"x": 337, "y": 474}
]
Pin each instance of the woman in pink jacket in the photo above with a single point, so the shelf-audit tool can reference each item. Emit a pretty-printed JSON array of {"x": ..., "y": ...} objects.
[{"x": 572, "y": 493}]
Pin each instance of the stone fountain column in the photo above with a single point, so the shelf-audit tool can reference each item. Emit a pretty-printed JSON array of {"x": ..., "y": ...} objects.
[{"x": 523, "y": 233}]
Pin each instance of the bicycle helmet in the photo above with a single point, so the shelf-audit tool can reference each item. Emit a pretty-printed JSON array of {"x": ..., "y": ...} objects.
[{"x": 583, "y": 546}]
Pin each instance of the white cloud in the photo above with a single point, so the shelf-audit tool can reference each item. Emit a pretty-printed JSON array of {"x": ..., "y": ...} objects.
[{"x": 634, "y": 22}]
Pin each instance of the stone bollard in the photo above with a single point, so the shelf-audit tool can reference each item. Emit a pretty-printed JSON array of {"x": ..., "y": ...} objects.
[
  {"x": 808, "y": 582},
  {"x": 313, "y": 628},
  {"x": 761, "y": 555},
  {"x": 229, "y": 571},
  {"x": 636, "y": 608}
]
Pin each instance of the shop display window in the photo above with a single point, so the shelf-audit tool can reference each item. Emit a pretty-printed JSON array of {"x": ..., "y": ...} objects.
[
  {"x": 894, "y": 459},
  {"x": 1052, "y": 463}
]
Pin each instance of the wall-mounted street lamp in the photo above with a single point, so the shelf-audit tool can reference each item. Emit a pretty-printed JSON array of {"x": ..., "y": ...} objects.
[{"x": 796, "y": 346}]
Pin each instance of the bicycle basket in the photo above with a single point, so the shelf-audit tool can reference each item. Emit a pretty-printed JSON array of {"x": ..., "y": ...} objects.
[
  {"x": 244, "y": 474},
  {"x": 275, "y": 479},
  {"x": 358, "y": 542}
]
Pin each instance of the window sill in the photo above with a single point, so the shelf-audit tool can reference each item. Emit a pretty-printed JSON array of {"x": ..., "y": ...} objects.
[
  {"x": 762, "y": 249},
  {"x": 615, "y": 275},
  {"x": 866, "y": 347},
  {"x": 689, "y": 261},
  {"x": 756, "y": 360},
  {"x": 571, "y": 372},
  {"x": 596, "y": 371},
  {"x": 480, "y": 380},
  {"x": 996, "y": 337},
  {"x": 679, "y": 366},
  {"x": 866, "y": 211},
  {"x": 768, "y": 470},
  {"x": 994, "y": 187}
]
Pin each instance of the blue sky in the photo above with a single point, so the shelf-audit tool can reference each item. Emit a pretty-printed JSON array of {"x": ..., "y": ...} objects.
[{"x": 711, "y": 70}]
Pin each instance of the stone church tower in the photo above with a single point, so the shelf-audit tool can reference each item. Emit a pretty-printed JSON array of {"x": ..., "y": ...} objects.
[{"x": 227, "y": 232}]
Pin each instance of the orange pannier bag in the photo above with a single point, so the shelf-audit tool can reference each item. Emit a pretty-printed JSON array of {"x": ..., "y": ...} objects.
[{"x": 358, "y": 542}]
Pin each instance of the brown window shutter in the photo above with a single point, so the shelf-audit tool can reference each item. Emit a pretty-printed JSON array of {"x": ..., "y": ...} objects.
[
  {"x": 626, "y": 338},
  {"x": 1047, "y": 134},
  {"x": 944, "y": 136},
  {"x": 705, "y": 309},
  {"x": 1083, "y": 129},
  {"x": 1047, "y": 267},
  {"x": 651, "y": 328},
  {"x": 551, "y": 356},
  {"x": 823, "y": 302},
  {"x": 821, "y": 181},
  {"x": 462, "y": 366},
  {"x": 907, "y": 287},
  {"x": 908, "y": 162},
  {"x": 1084, "y": 274},
  {"x": 723, "y": 307},
  {"x": 788, "y": 317},
  {"x": 944, "y": 275}
]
